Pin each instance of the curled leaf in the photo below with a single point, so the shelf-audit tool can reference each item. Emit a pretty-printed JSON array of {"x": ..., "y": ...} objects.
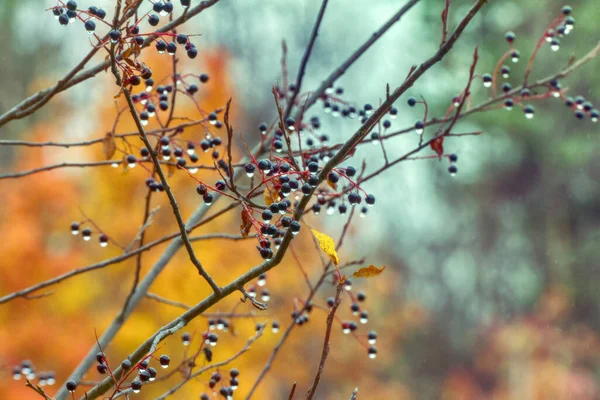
[
  {"x": 246, "y": 224},
  {"x": 437, "y": 145},
  {"x": 368, "y": 272},
  {"x": 108, "y": 145},
  {"x": 327, "y": 245}
]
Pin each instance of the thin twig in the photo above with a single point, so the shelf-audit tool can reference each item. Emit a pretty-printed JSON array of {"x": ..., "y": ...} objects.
[
  {"x": 78, "y": 271},
  {"x": 291, "y": 396},
  {"x": 325, "y": 353},
  {"x": 341, "y": 70},
  {"x": 249, "y": 343},
  {"x": 39, "y": 99},
  {"x": 165, "y": 183},
  {"x": 305, "y": 58}
]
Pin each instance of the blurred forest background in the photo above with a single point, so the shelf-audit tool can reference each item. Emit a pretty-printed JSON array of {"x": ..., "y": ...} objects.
[{"x": 491, "y": 289}]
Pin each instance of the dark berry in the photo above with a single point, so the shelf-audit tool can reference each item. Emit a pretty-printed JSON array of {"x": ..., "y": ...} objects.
[
  {"x": 370, "y": 199},
  {"x": 267, "y": 216},
  {"x": 290, "y": 122},
  {"x": 182, "y": 39},
  {"x": 204, "y": 78},
  {"x": 167, "y": 8},
  {"x": 71, "y": 386},
  {"x": 295, "y": 227},
  {"x": 412, "y": 101},
  {"x": 333, "y": 177},
  {"x": 313, "y": 167},
  {"x": 192, "y": 89},
  {"x": 115, "y": 35},
  {"x": 354, "y": 198},
  {"x": 63, "y": 19},
  {"x": 372, "y": 352},
  {"x": 102, "y": 368},
  {"x": 192, "y": 52},
  {"x": 264, "y": 165},
  {"x": 208, "y": 198},
  {"x": 136, "y": 385},
  {"x": 153, "y": 19},
  {"x": 71, "y": 5},
  {"x": 157, "y": 6},
  {"x": 313, "y": 180},
  {"x": 90, "y": 26},
  {"x": 265, "y": 253},
  {"x": 453, "y": 157},
  {"x": 126, "y": 364},
  {"x": 161, "y": 46}
]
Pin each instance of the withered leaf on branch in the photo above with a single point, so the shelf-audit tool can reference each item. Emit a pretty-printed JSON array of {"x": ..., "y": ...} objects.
[
  {"x": 246, "y": 224},
  {"x": 109, "y": 146},
  {"x": 368, "y": 272}
]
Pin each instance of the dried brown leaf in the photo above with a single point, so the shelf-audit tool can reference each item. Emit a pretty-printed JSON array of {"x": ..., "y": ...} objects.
[
  {"x": 109, "y": 146},
  {"x": 368, "y": 272}
]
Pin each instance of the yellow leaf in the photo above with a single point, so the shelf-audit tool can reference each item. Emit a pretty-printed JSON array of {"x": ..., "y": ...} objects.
[
  {"x": 368, "y": 272},
  {"x": 327, "y": 245},
  {"x": 270, "y": 196}
]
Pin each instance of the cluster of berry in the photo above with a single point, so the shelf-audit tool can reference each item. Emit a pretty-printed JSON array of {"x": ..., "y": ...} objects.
[
  {"x": 145, "y": 373},
  {"x": 86, "y": 233},
  {"x": 129, "y": 36},
  {"x": 281, "y": 180},
  {"x": 559, "y": 28},
  {"x": 27, "y": 370},
  {"x": 265, "y": 294},
  {"x": 65, "y": 17},
  {"x": 150, "y": 97},
  {"x": 224, "y": 390},
  {"x": 350, "y": 326}
]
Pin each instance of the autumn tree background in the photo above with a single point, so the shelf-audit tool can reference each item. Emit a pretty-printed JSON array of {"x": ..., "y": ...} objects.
[{"x": 489, "y": 289}]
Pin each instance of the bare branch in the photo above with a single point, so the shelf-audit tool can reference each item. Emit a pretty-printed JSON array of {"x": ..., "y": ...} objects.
[
  {"x": 36, "y": 101},
  {"x": 305, "y": 58}
]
